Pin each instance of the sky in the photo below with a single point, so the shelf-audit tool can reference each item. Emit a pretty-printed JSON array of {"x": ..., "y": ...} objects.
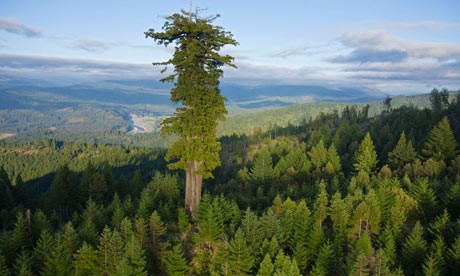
[{"x": 394, "y": 46}]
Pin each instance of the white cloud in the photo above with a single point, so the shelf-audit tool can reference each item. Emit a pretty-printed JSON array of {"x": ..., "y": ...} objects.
[{"x": 12, "y": 25}]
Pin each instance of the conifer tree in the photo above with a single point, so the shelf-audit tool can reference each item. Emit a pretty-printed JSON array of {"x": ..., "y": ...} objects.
[
  {"x": 325, "y": 261},
  {"x": 453, "y": 264},
  {"x": 441, "y": 144},
  {"x": 23, "y": 264},
  {"x": 4, "y": 271},
  {"x": 21, "y": 234},
  {"x": 240, "y": 257},
  {"x": 365, "y": 156},
  {"x": 176, "y": 265},
  {"x": 414, "y": 250},
  {"x": 86, "y": 261},
  {"x": 197, "y": 69},
  {"x": 135, "y": 256},
  {"x": 44, "y": 246},
  {"x": 251, "y": 230},
  {"x": 318, "y": 155},
  {"x": 403, "y": 153},
  {"x": 157, "y": 232},
  {"x": 266, "y": 267},
  {"x": 262, "y": 171}
]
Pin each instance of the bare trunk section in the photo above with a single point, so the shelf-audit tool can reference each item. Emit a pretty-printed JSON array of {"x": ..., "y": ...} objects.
[{"x": 193, "y": 185}]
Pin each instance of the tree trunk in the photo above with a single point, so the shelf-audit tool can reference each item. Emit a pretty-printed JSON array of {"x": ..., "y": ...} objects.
[{"x": 193, "y": 184}]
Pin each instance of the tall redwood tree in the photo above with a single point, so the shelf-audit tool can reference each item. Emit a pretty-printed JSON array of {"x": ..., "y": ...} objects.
[{"x": 197, "y": 70}]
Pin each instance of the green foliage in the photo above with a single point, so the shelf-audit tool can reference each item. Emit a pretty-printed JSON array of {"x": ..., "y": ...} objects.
[
  {"x": 441, "y": 144},
  {"x": 86, "y": 261},
  {"x": 262, "y": 170},
  {"x": 414, "y": 249},
  {"x": 4, "y": 271},
  {"x": 365, "y": 156},
  {"x": 197, "y": 69},
  {"x": 176, "y": 265},
  {"x": 266, "y": 267},
  {"x": 23, "y": 264},
  {"x": 240, "y": 257},
  {"x": 403, "y": 153},
  {"x": 210, "y": 219}
]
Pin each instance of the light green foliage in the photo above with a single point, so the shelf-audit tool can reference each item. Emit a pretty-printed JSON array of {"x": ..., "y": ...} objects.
[
  {"x": 321, "y": 205},
  {"x": 240, "y": 256},
  {"x": 284, "y": 266},
  {"x": 266, "y": 267},
  {"x": 318, "y": 155},
  {"x": 250, "y": 226},
  {"x": 325, "y": 262},
  {"x": 134, "y": 255},
  {"x": 441, "y": 144},
  {"x": 262, "y": 170},
  {"x": 162, "y": 194},
  {"x": 269, "y": 224},
  {"x": 176, "y": 265},
  {"x": 403, "y": 153},
  {"x": 365, "y": 156},
  {"x": 86, "y": 261},
  {"x": 210, "y": 221}
]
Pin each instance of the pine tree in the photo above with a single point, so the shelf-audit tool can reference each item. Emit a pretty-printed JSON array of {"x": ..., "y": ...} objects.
[
  {"x": 365, "y": 156},
  {"x": 4, "y": 271},
  {"x": 158, "y": 246},
  {"x": 403, "y": 153},
  {"x": 23, "y": 264},
  {"x": 262, "y": 170},
  {"x": 135, "y": 256},
  {"x": 176, "y": 265},
  {"x": 453, "y": 263},
  {"x": 284, "y": 266},
  {"x": 240, "y": 258},
  {"x": 210, "y": 222},
  {"x": 441, "y": 144},
  {"x": 21, "y": 234},
  {"x": 325, "y": 261},
  {"x": 58, "y": 262},
  {"x": 44, "y": 246},
  {"x": 251, "y": 230},
  {"x": 318, "y": 155},
  {"x": 197, "y": 69},
  {"x": 414, "y": 249},
  {"x": 104, "y": 251},
  {"x": 266, "y": 267},
  {"x": 86, "y": 261}
]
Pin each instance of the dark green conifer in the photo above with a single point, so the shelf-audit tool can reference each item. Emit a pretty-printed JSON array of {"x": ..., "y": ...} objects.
[{"x": 414, "y": 250}]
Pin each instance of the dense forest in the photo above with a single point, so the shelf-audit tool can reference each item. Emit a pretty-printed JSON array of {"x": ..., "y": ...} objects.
[{"x": 341, "y": 194}]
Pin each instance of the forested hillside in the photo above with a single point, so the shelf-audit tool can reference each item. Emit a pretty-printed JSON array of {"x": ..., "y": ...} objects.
[{"x": 340, "y": 194}]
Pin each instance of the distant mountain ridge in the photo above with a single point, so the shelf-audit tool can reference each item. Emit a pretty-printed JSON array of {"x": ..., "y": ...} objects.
[{"x": 17, "y": 92}]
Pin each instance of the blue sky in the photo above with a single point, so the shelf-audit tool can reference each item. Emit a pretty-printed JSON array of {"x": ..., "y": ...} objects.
[{"x": 394, "y": 46}]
